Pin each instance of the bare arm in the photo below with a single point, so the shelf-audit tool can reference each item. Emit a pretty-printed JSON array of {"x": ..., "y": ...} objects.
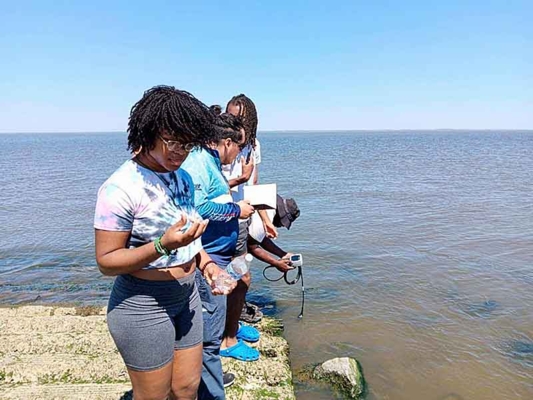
[
  {"x": 113, "y": 258},
  {"x": 270, "y": 229},
  {"x": 261, "y": 254},
  {"x": 255, "y": 180},
  {"x": 264, "y": 253},
  {"x": 247, "y": 169},
  {"x": 271, "y": 247},
  {"x": 236, "y": 181}
]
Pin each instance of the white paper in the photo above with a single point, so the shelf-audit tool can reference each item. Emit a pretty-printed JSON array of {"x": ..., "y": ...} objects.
[{"x": 261, "y": 196}]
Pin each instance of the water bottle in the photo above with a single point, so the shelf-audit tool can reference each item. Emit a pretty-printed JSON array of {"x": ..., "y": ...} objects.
[{"x": 234, "y": 271}]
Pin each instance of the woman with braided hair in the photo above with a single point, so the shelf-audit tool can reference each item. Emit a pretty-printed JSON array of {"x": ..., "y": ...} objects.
[
  {"x": 243, "y": 171},
  {"x": 147, "y": 234}
]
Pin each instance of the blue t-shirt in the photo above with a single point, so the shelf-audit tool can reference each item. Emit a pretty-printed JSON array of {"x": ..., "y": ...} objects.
[{"x": 214, "y": 202}]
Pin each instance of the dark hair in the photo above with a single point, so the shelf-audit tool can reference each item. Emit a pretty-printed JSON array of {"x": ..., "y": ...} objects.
[
  {"x": 216, "y": 109},
  {"x": 165, "y": 108},
  {"x": 228, "y": 126},
  {"x": 248, "y": 115}
]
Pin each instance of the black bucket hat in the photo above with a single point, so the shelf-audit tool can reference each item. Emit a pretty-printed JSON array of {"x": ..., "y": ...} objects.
[{"x": 286, "y": 212}]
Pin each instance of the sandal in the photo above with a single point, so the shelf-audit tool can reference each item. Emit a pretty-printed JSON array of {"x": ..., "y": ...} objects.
[
  {"x": 240, "y": 351},
  {"x": 247, "y": 333}
]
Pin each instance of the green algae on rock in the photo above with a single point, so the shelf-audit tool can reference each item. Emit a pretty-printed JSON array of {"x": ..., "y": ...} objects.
[{"x": 344, "y": 374}]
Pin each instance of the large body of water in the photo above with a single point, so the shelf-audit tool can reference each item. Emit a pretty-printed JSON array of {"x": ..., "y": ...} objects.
[{"x": 418, "y": 250}]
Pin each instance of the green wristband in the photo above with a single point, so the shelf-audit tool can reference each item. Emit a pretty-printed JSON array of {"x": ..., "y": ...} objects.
[{"x": 160, "y": 248}]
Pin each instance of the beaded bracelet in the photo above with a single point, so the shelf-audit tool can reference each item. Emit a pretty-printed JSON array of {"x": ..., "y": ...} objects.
[{"x": 206, "y": 264}]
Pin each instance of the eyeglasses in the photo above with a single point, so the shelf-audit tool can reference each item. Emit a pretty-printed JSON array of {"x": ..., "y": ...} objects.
[{"x": 178, "y": 147}]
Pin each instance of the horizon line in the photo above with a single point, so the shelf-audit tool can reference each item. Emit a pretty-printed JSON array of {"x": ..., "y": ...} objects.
[{"x": 303, "y": 130}]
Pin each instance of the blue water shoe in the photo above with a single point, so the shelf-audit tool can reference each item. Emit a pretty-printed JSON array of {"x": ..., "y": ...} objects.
[
  {"x": 240, "y": 351},
  {"x": 248, "y": 333}
]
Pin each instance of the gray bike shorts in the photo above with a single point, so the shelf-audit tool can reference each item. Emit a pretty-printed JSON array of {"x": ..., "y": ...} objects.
[
  {"x": 242, "y": 247},
  {"x": 148, "y": 320}
]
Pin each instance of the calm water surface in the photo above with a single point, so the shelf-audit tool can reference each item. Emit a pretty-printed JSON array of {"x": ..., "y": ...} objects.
[{"x": 418, "y": 250}]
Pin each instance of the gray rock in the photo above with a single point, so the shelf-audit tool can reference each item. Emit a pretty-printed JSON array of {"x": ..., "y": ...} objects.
[{"x": 344, "y": 374}]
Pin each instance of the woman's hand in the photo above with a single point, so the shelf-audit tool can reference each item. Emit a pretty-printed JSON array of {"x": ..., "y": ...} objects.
[
  {"x": 287, "y": 256},
  {"x": 175, "y": 237},
  {"x": 247, "y": 168},
  {"x": 246, "y": 209},
  {"x": 270, "y": 229},
  {"x": 284, "y": 264},
  {"x": 211, "y": 272}
]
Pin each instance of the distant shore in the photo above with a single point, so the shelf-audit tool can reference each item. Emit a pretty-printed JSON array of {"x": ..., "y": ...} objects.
[{"x": 67, "y": 353}]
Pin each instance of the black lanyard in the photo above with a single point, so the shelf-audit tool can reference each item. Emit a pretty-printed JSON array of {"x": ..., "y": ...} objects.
[{"x": 299, "y": 276}]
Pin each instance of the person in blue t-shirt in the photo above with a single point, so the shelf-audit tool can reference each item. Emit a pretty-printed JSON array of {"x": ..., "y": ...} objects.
[{"x": 213, "y": 201}]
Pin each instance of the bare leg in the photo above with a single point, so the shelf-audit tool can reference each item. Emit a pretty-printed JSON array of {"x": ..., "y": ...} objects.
[
  {"x": 235, "y": 303},
  {"x": 151, "y": 385},
  {"x": 186, "y": 373}
]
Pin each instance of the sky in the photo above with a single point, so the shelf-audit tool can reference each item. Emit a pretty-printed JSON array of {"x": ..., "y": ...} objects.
[{"x": 79, "y": 66}]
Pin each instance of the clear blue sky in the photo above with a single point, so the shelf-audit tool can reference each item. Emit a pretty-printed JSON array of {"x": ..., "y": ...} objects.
[{"x": 81, "y": 65}]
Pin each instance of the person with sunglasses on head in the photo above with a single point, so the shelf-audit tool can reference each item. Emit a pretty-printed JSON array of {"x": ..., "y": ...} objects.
[
  {"x": 147, "y": 235},
  {"x": 213, "y": 201}
]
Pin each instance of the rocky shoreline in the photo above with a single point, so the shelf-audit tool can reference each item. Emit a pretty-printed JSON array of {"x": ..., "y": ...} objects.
[{"x": 49, "y": 352}]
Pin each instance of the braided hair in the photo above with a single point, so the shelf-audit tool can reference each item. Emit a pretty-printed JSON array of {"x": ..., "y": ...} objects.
[
  {"x": 177, "y": 112},
  {"x": 228, "y": 126},
  {"x": 216, "y": 109},
  {"x": 248, "y": 115}
]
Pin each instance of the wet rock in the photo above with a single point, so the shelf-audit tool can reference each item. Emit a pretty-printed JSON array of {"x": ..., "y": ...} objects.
[
  {"x": 271, "y": 353},
  {"x": 344, "y": 374},
  {"x": 265, "y": 301}
]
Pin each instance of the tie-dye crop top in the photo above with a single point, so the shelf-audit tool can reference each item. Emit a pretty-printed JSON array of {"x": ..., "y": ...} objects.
[{"x": 146, "y": 203}]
